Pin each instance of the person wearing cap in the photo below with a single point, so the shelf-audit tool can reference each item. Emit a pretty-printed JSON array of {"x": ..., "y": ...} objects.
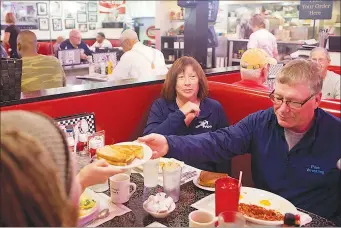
[
  {"x": 138, "y": 61},
  {"x": 294, "y": 145},
  {"x": 254, "y": 69},
  {"x": 262, "y": 38},
  {"x": 331, "y": 80},
  {"x": 101, "y": 42},
  {"x": 75, "y": 42}
]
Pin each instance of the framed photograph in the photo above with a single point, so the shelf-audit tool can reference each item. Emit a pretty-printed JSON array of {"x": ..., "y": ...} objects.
[
  {"x": 92, "y": 18},
  {"x": 81, "y": 7},
  {"x": 43, "y": 24},
  {"x": 92, "y": 7},
  {"x": 82, "y": 18},
  {"x": 41, "y": 9},
  {"x": 70, "y": 24},
  {"x": 57, "y": 24},
  {"x": 55, "y": 9},
  {"x": 92, "y": 26},
  {"x": 83, "y": 27}
]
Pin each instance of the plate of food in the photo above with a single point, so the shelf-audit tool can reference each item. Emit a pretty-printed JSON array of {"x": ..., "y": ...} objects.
[
  {"x": 88, "y": 208},
  {"x": 206, "y": 180},
  {"x": 163, "y": 162},
  {"x": 263, "y": 207},
  {"x": 125, "y": 155}
]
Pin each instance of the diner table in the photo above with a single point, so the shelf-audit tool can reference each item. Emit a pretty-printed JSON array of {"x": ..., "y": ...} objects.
[{"x": 190, "y": 194}]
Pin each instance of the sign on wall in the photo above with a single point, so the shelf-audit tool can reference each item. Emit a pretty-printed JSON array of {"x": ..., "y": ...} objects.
[{"x": 316, "y": 9}]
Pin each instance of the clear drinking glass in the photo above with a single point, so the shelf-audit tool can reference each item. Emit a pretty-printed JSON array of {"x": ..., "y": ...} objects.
[
  {"x": 231, "y": 219},
  {"x": 151, "y": 172},
  {"x": 171, "y": 181}
]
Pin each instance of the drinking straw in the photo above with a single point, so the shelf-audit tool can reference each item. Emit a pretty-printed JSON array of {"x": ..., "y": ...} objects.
[{"x": 240, "y": 178}]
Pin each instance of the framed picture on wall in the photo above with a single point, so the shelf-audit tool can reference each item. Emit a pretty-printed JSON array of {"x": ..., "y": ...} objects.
[
  {"x": 43, "y": 24},
  {"x": 92, "y": 7},
  {"x": 92, "y": 26},
  {"x": 70, "y": 24},
  {"x": 41, "y": 9},
  {"x": 57, "y": 24},
  {"x": 92, "y": 18},
  {"x": 83, "y": 27},
  {"x": 55, "y": 9},
  {"x": 82, "y": 18},
  {"x": 81, "y": 7}
]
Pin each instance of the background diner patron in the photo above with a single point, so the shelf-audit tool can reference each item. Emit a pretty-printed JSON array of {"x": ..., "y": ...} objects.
[
  {"x": 101, "y": 42},
  {"x": 331, "y": 80},
  {"x": 75, "y": 42},
  {"x": 184, "y": 107},
  {"x": 11, "y": 34},
  {"x": 262, "y": 38},
  {"x": 254, "y": 69},
  {"x": 38, "y": 71},
  {"x": 138, "y": 60},
  {"x": 56, "y": 45},
  {"x": 294, "y": 146}
]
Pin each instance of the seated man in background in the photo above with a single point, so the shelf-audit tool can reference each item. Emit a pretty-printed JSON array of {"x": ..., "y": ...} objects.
[
  {"x": 138, "y": 60},
  {"x": 294, "y": 145},
  {"x": 59, "y": 40},
  {"x": 254, "y": 69},
  {"x": 38, "y": 71},
  {"x": 331, "y": 80},
  {"x": 101, "y": 42},
  {"x": 75, "y": 42}
]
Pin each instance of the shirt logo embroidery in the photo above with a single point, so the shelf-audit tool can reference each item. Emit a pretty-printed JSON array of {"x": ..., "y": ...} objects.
[
  {"x": 203, "y": 124},
  {"x": 315, "y": 169}
]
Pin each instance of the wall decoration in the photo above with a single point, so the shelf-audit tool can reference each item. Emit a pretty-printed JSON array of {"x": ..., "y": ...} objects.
[
  {"x": 92, "y": 26},
  {"x": 83, "y": 27},
  {"x": 55, "y": 9},
  {"x": 41, "y": 9},
  {"x": 92, "y": 18},
  {"x": 25, "y": 13},
  {"x": 150, "y": 32},
  {"x": 57, "y": 24},
  {"x": 92, "y": 7},
  {"x": 43, "y": 24},
  {"x": 81, "y": 7},
  {"x": 70, "y": 24},
  {"x": 82, "y": 18}
]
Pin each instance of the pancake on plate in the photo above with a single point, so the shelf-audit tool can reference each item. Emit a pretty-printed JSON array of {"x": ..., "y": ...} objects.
[
  {"x": 86, "y": 205},
  {"x": 120, "y": 155},
  {"x": 208, "y": 179}
]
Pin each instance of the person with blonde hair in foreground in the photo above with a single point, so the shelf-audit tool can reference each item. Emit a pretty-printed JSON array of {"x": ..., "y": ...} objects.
[
  {"x": 39, "y": 186},
  {"x": 294, "y": 146}
]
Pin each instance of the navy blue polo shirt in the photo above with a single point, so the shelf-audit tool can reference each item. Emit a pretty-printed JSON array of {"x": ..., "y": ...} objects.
[
  {"x": 306, "y": 175},
  {"x": 66, "y": 44},
  {"x": 165, "y": 118}
]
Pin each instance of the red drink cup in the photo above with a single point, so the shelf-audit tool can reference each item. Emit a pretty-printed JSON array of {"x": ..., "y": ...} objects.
[{"x": 227, "y": 194}]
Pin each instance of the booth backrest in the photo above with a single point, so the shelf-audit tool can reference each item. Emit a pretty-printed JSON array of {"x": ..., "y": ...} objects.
[
  {"x": 44, "y": 48},
  {"x": 336, "y": 69},
  {"x": 228, "y": 78}
]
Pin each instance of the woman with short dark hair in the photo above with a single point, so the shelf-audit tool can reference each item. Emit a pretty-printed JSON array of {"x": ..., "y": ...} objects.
[{"x": 184, "y": 108}]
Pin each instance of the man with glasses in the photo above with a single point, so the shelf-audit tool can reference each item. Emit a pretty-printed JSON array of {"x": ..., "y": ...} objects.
[
  {"x": 331, "y": 80},
  {"x": 138, "y": 60},
  {"x": 75, "y": 42},
  {"x": 294, "y": 145}
]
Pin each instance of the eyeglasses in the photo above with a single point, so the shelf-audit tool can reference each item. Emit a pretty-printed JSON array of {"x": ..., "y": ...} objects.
[{"x": 291, "y": 104}]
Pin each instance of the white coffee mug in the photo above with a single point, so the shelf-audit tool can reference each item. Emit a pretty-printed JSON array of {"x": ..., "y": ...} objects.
[
  {"x": 120, "y": 188},
  {"x": 201, "y": 219}
]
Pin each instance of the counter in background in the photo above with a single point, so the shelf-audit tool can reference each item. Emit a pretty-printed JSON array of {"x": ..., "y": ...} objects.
[{"x": 77, "y": 87}]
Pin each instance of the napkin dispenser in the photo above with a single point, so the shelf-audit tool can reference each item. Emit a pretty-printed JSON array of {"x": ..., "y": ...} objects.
[{"x": 10, "y": 79}]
